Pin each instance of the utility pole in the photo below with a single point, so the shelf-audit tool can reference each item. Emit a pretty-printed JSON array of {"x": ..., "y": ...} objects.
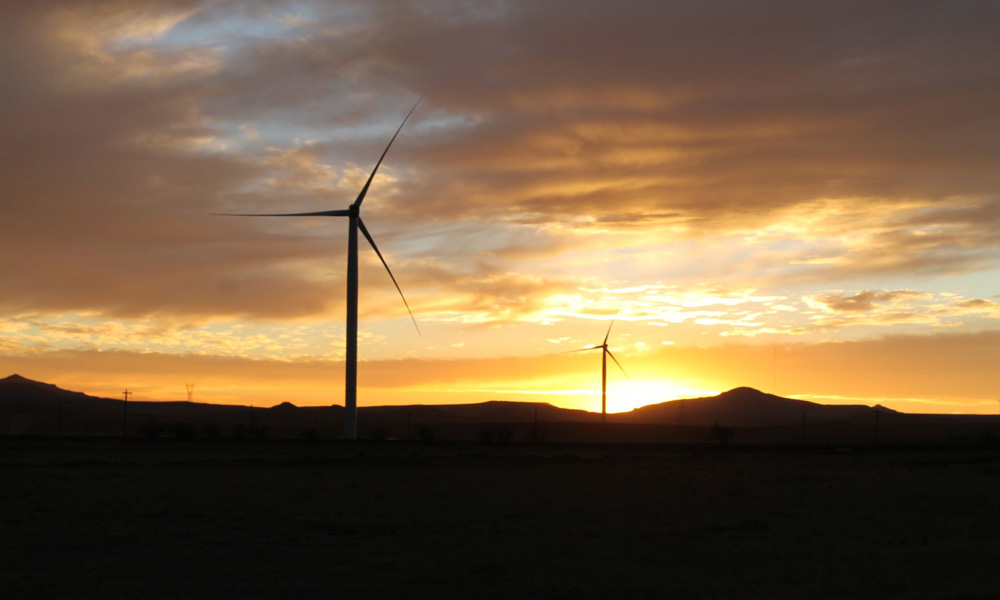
[
  {"x": 190, "y": 406},
  {"x": 126, "y": 393}
]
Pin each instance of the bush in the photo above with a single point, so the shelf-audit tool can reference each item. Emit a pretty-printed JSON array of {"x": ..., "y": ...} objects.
[
  {"x": 183, "y": 431},
  {"x": 426, "y": 435},
  {"x": 151, "y": 429},
  {"x": 377, "y": 434},
  {"x": 499, "y": 433},
  {"x": 721, "y": 434},
  {"x": 241, "y": 433},
  {"x": 211, "y": 431}
]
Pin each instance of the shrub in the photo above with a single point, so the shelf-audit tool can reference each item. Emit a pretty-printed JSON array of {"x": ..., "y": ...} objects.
[
  {"x": 721, "y": 434},
  {"x": 211, "y": 431},
  {"x": 377, "y": 434},
  {"x": 151, "y": 429},
  {"x": 499, "y": 433},
  {"x": 241, "y": 433},
  {"x": 426, "y": 435},
  {"x": 183, "y": 431}
]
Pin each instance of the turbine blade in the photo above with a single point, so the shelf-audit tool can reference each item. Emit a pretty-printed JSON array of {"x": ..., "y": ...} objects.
[
  {"x": 618, "y": 363},
  {"x": 580, "y": 350},
  {"x": 368, "y": 236},
  {"x": 322, "y": 213},
  {"x": 364, "y": 190},
  {"x": 609, "y": 330}
]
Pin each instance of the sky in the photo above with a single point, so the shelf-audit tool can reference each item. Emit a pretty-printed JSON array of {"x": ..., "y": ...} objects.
[{"x": 801, "y": 197}]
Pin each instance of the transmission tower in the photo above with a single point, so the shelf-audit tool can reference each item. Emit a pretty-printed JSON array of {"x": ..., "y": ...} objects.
[{"x": 190, "y": 391}]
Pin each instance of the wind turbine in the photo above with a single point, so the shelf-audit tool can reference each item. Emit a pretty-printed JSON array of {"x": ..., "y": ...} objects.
[
  {"x": 605, "y": 353},
  {"x": 353, "y": 214}
]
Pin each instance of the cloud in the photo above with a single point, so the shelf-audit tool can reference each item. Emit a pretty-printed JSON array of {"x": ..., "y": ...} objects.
[
  {"x": 866, "y": 300},
  {"x": 560, "y": 145}
]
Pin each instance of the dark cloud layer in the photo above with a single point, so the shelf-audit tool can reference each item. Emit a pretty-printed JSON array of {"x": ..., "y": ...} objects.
[{"x": 713, "y": 115}]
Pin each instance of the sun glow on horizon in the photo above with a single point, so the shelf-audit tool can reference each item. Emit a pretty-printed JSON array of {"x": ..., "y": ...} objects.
[
  {"x": 629, "y": 395},
  {"x": 621, "y": 396}
]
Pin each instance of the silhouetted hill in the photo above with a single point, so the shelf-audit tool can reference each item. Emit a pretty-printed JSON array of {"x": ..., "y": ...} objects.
[
  {"x": 494, "y": 411},
  {"x": 746, "y": 407},
  {"x": 20, "y": 392},
  {"x": 33, "y": 407}
]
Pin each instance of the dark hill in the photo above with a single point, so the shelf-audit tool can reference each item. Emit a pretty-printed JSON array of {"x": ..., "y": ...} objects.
[
  {"x": 20, "y": 392},
  {"x": 485, "y": 412},
  {"x": 34, "y": 408},
  {"x": 741, "y": 406},
  {"x": 744, "y": 406}
]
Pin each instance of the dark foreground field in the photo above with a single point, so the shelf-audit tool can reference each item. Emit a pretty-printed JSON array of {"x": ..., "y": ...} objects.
[{"x": 167, "y": 520}]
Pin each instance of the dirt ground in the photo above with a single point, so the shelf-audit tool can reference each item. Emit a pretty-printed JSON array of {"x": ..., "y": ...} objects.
[{"x": 200, "y": 520}]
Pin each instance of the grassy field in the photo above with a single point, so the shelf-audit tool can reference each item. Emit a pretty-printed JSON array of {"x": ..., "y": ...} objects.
[{"x": 171, "y": 519}]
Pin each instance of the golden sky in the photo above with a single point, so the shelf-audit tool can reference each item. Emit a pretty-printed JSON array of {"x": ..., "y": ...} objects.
[{"x": 797, "y": 197}]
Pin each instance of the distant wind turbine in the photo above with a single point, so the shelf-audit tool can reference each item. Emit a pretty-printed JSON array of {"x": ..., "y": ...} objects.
[
  {"x": 353, "y": 213},
  {"x": 605, "y": 353}
]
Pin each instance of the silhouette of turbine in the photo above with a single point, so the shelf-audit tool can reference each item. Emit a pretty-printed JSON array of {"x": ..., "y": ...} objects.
[
  {"x": 353, "y": 213},
  {"x": 605, "y": 353}
]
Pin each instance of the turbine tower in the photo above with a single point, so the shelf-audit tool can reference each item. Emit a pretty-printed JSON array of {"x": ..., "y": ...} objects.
[
  {"x": 353, "y": 214},
  {"x": 605, "y": 353}
]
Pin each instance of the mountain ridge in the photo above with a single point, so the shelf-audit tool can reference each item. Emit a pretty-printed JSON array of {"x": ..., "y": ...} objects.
[
  {"x": 738, "y": 406},
  {"x": 30, "y": 407}
]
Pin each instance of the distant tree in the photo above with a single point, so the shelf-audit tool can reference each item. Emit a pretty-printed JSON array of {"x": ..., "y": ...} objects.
[
  {"x": 151, "y": 429},
  {"x": 537, "y": 434},
  {"x": 499, "y": 433},
  {"x": 426, "y": 435},
  {"x": 183, "y": 430},
  {"x": 721, "y": 434},
  {"x": 241, "y": 433},
  {"x": 505, "y": 432},
  {"x": 260, "y": 433},
  {"x": 211, "y": 431},
  {"x": 377, "y": 434}
]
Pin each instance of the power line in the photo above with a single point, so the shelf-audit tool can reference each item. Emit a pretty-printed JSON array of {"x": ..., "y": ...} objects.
[{"x": 126, "y": 393}]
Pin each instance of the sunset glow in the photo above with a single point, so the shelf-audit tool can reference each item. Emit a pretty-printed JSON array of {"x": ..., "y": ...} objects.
[{"x": 808, "y": 207}]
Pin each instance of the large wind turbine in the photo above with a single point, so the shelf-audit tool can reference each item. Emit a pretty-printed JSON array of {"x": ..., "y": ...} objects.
[
  {"x": 605, "y": 353},
  {"x": 353, "y": 214}
]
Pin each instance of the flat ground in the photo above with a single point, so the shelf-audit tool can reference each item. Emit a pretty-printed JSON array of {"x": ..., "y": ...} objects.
[{"x": 162, "y": 519}]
